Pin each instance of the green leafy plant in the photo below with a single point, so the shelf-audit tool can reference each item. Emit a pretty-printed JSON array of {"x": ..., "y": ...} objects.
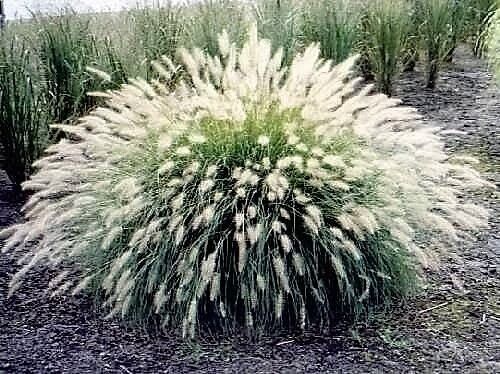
[
  {"x": 334, "y": 25},
  {"x": 436, "y": 34},
  {"x": 23, "y": 115},
  {"x": 250, "y": 194},
  {"x": 385, "y": 35}
]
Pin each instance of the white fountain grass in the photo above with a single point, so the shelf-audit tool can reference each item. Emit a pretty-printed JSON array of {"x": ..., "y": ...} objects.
[{"x": 249, "y": 194}]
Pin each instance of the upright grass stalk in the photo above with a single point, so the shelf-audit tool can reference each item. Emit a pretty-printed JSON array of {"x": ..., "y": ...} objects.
[
  {"x": 66, "y": 48},
  {"x": 436, "y": 34},
  {"x": 334, "y": 24},
  {"x": 23, "y": 115},
  {"x": 386, "y": 25},
  {"x": 158, "y": 31},
  {"x": 459, "y": 27},
  {"x": 279, "y": 21},
  {"x": 206, "y": 19},
  {"x": 483, "y": 20},
  {"x": 113, "y": 63},
  {"x": 479, "y": 13},
  {"x": 411, "y": 53}
]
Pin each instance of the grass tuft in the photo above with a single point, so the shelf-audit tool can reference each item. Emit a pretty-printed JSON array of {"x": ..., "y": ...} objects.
[
  {"x": 208, "y": 18},
  {"x": 246, "y": 193},
  {"x": 280, "y": 22},
  {"x": 23, "y": 115},
  {"x": 158, "y": 31},
  {"x": 385, "y": 36},
  {"x": 436, "y": 20},
  {"x": 335, "y": 25},
  {"x": 66, "y": 48}
]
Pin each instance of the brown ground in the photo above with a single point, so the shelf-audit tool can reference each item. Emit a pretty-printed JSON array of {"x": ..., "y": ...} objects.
[{"x": 453, "y": 326}]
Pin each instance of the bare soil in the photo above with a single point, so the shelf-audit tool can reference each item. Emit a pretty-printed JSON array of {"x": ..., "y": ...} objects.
[{"x": 452, "y": 326}]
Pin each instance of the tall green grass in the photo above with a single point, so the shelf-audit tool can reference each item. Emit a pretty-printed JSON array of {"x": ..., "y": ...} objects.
[
  {"x": 459, "y": 27},
  {"x": 208, "y": 18},
  {"x": 66, "y": 48},
  {"x": 386, "y": 25},
  {"x": 478, "y": 15},
  {"x": 158, "y": 31},
  {"x": 334, "y": 24},
  {"x": 280, "y": 22},
  {"x": 67, "y": 45},
  {"x": 436, "y": 34},
  {"x": 23, "y": 110},
  {"x": 481, "y": 16}
]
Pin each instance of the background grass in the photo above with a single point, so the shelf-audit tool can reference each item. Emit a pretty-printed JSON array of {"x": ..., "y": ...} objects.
[
  {"x": 23, "y": 111},
  {"x": 386, "y": 31},
  {"x": 390, "y": 34}
]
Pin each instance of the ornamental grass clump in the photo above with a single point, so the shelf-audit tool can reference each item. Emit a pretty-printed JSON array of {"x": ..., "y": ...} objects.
[
  {"x": 385, "y": 34},
  {"x": 24, "y": 119},
  {"x": 66, "y": 48},
  {"x": 334, "y": 25},
  {"x": 436, "y": 20},
  {"x": 250, "y": 194}
]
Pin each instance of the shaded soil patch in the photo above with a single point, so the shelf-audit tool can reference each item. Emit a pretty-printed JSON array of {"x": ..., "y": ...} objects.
[{"x": 452, "y": 326}]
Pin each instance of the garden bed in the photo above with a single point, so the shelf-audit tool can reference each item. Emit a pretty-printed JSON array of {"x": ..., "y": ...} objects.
[{"x": 453, "y": 325}]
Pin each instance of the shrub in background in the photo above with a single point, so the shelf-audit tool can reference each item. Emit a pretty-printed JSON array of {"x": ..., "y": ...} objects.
[
  {"x": 258, "y": 196},
  {"x": 334, "y": 25},
  {"x": 386, "y": 25},
  {"x": 435, "y": 18},
  {"x": 23, "y": 110}
]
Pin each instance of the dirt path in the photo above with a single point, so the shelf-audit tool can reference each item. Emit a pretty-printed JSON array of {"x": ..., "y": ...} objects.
[{"x": 453, "y": 326}]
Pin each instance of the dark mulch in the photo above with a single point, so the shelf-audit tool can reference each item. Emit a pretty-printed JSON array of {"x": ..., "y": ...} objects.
[{"x": 453, "y": 326}]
